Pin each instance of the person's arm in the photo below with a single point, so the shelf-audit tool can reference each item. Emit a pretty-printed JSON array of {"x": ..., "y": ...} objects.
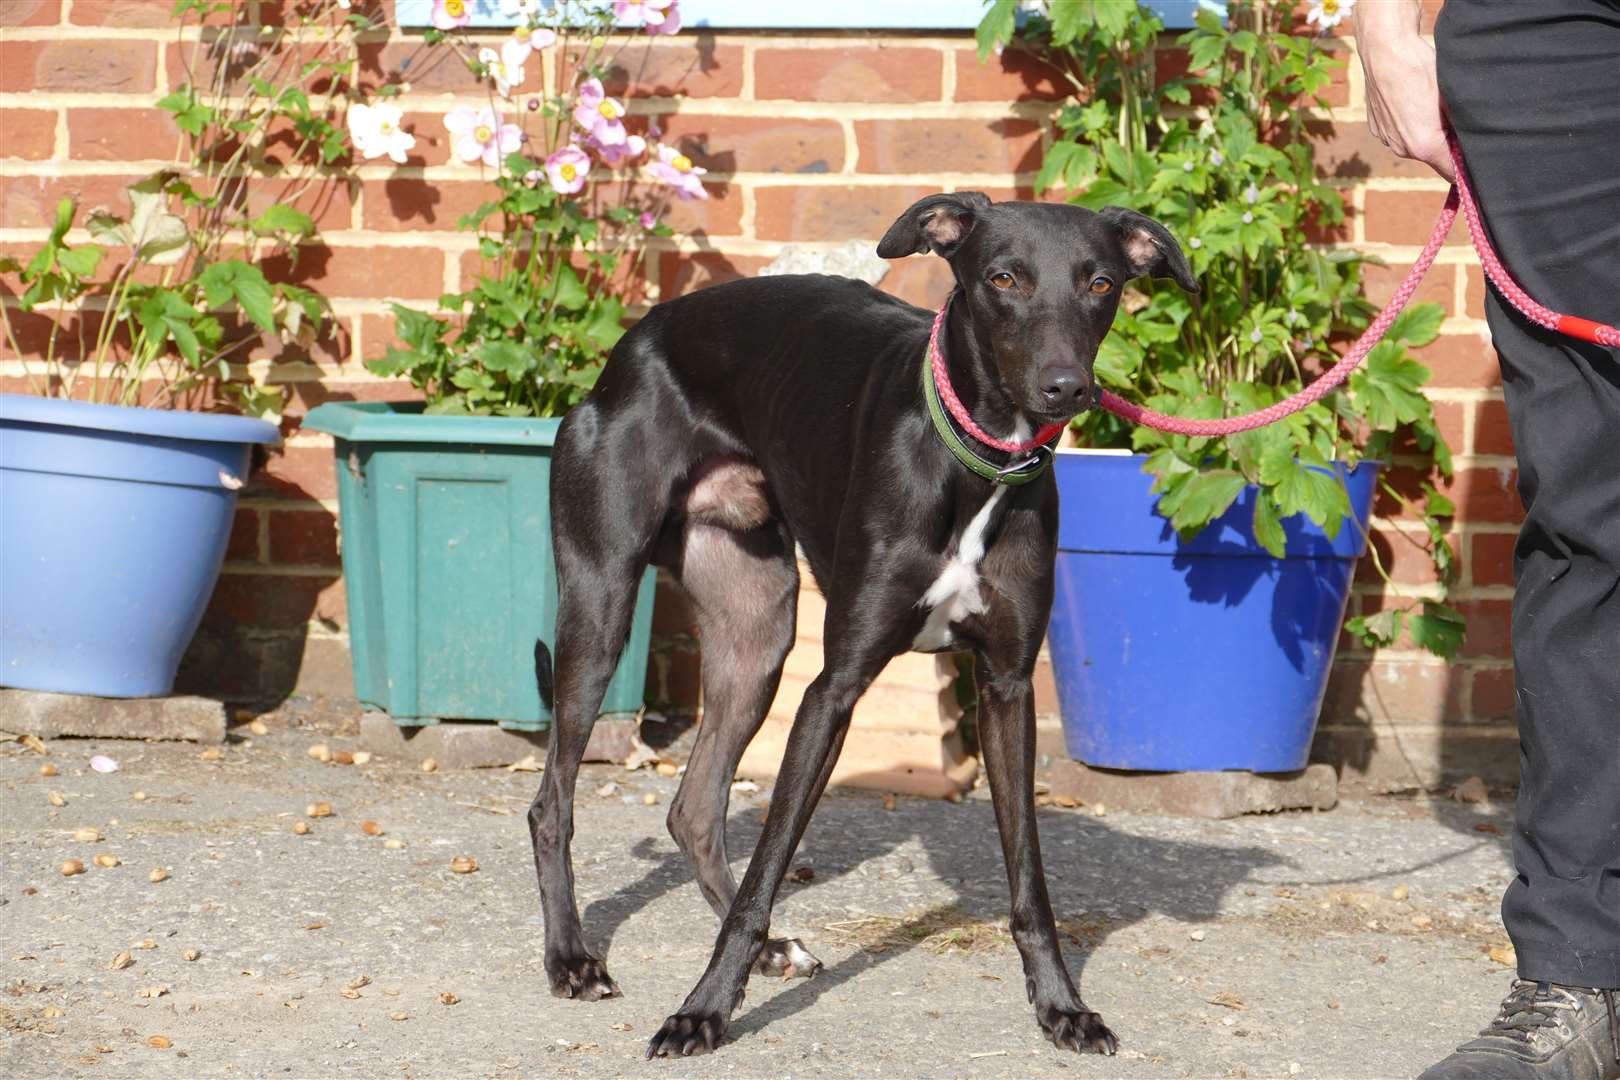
[{"x": 1403, "y": 97}]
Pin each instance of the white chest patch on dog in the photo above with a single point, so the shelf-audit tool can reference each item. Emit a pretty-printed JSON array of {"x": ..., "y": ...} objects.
[{"x": 955, "y": 593}]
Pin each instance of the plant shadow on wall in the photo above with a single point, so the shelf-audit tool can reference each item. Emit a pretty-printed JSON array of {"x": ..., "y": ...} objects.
[
  {"x": 1102, "y": 880},
  {"x": 1223, "y": 156}
]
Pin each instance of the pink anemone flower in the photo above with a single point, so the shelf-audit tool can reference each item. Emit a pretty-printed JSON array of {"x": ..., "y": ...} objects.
[
  {"x": 601, "y": 116},
  {"x": 676, "y": 169},
  {"x": 618, "y": 154},
  {"x": 657, "y": 16},
  {"x": 451, "y": 14},
  {"x": 567, "y": 169}
]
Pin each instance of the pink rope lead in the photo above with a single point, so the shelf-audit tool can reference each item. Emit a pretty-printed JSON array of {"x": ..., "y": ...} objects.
[
  {"x": 1570, "y": 325},
  {"x": 1585, "y": 329}
]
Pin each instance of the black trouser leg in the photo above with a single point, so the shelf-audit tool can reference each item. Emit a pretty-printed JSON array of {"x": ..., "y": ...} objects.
[{"x": 1533, "y": 90}]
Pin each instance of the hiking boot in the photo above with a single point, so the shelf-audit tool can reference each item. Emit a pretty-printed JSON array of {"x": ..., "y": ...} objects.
[{"x": 1544, "y": 1032}]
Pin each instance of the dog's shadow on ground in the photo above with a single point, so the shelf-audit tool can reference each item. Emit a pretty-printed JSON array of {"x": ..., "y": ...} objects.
[{"x": 1101, "y": 880}]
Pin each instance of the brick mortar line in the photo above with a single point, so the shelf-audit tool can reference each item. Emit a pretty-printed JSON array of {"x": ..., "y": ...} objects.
[
  {"x": 1492, "y": 729},
  {"x": 341, "y": 306},
  {"x": 262, "y": 538},
  {"x": 1463, "y": 527},
  {"x": 84, "y": 99},
  {"x": 60, "y": 139},
  {"x": 281, "y": 569},
  {"x": 272, "y": 503},
  {"x": 1470, "y": 425},
  {"x": 748, "y": 222},
  {"x": 443, "y": 240},
  {"x": 727, "y": 107},
  {"x": 1355, "y": 79},
  {"x": 739, "y": 106},
  {"x": 746, "y": 89},
  {"x": 1421, "y": 658},
  {"x": 1425, "y": 184},
  {"x": 1430, "y": 591},
  {"x": 789, "y": 109},
  {"x": 23, "y": 169},
  {"x": 1466, "y": 393},
  {"x": 61, "y": 166},
  {"x": 852, "y": 157}
]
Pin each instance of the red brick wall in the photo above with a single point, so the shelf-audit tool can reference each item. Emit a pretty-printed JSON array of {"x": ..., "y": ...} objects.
[{"x": 809, "y": 139}]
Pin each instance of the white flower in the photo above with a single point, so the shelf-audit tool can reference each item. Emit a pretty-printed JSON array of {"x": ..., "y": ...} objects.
[
  {"x": 1215, "y": 158},
  {"x": 506, "y": 66},
  {"x": 480, "y": 136},
  {"x": 524, "y": 40},
  {"x": 344, "y": 4},
  {"x": 1186, "y": 166},
  {"x": 1254, "y": 335},
  {"x": 375, "y": 131},
  {"x": 1329, "y": 13},
  {"x": 1195, "y": 243},
  {"x": 1248, "y": 218},
  {"x": 1251, "y": 195}
]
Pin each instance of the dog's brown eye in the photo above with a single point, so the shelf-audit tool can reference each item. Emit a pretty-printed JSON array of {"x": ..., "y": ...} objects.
[
  {"x": 1002, "y": 280},
  {"x": 1101, "y": 286}
]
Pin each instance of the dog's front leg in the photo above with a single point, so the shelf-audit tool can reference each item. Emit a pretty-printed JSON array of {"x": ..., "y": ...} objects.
[
  {"x": 1007, "y": 739},
  {"x": 813, "y": 745}
]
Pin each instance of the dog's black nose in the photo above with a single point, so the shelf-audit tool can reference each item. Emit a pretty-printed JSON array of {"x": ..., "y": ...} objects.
[{"x": 1064, "y": 389}]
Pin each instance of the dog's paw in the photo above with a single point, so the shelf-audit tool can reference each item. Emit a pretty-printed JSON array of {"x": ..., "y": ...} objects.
[
  {"x": 1077, "y": 1029},
  {"x": 786, "y": 957},
  {"x": 690, "y": 1031},
  {"x": 582, "y": 977}
]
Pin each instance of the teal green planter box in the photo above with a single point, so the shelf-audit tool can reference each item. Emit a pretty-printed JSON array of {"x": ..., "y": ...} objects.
[{"x": 447, "y": 563}]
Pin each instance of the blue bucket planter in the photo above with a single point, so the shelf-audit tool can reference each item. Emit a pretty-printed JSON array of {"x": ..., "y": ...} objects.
[
  {"x": 113, "y": 526},
  {"x": 1205, "y": 654}
]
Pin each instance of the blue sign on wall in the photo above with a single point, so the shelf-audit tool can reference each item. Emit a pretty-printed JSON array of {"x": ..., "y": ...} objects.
[{"x": 820, "y": 15}]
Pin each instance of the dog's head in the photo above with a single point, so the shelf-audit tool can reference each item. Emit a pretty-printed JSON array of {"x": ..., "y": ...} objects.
[{"x": 1042, "y": 281}]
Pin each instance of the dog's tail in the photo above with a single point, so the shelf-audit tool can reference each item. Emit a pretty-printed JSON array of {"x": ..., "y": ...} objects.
[{"x": 542, "y": 672}]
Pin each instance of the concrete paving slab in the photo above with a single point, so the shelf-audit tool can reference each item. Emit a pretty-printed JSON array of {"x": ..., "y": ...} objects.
[
  {"x": 1196, "y": 794},
  {"x": 486, "y": 746},
  {"x": 50, "y": 716}
]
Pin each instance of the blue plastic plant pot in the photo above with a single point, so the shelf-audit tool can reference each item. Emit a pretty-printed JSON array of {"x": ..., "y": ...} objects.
[
  {"x": 113, "y": 526},
  {"x": 1203, "y": 654}
]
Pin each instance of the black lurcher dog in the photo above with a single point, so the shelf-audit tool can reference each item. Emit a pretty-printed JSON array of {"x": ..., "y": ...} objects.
[{"x": 736, "y": 421}]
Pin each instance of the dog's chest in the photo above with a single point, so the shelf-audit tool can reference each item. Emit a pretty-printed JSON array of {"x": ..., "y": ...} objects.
[{"x": 957, "y": 592}]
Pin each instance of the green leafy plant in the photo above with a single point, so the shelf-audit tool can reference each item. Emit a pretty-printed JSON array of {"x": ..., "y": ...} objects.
[
  {"x": 563, "y": 234},
  {"x": 1221, "y": 155},
  {"x": 167, "y": 300}
]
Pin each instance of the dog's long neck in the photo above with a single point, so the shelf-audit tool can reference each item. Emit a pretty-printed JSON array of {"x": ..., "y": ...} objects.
[{"x": 972, "y": 368}]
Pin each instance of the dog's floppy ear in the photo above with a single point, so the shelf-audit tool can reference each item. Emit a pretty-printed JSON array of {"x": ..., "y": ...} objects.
[
  {"x": 1149, "y": 247},
  {"x": 938, "y": 223}
]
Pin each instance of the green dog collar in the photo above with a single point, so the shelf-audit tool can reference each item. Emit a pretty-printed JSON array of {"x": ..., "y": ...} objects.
[{"x": 1012, "y": 475}]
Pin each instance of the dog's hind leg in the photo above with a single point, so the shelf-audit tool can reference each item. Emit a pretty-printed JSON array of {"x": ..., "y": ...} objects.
[
  {"x": 744, "y": 586},
  {"x": 603, "y": 528}
]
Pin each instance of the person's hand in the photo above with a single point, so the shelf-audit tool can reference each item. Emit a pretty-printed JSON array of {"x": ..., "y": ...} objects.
[{"x": 1403, "y": 96}]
